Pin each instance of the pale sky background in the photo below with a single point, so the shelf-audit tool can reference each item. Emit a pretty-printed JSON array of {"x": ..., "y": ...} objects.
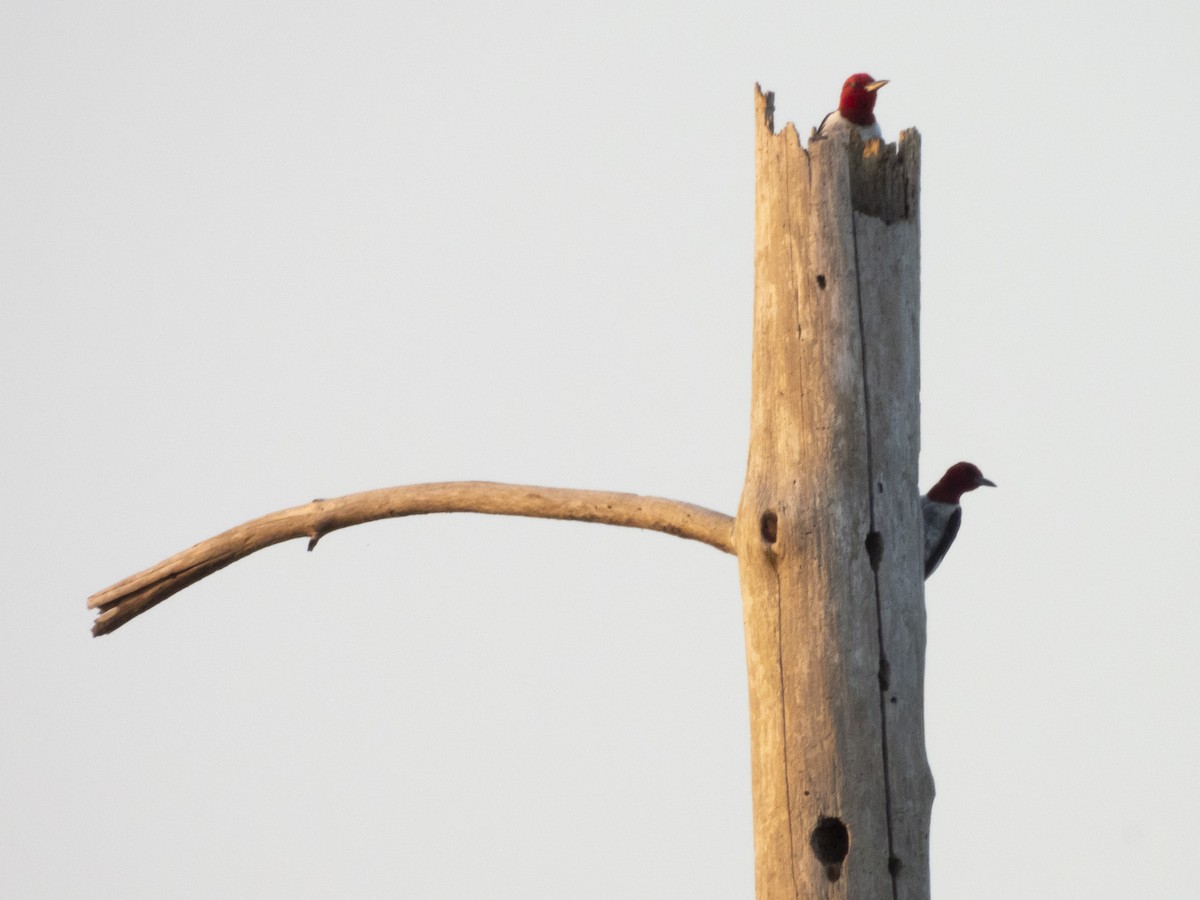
[{"x": 255, "y": 253}]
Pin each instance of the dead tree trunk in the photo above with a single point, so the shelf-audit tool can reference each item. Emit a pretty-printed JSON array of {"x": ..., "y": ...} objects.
[{"x": 828, "y": 533}]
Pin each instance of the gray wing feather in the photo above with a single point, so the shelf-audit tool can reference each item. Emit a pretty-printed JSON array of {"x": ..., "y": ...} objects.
[{"x": 934, "y": 557}]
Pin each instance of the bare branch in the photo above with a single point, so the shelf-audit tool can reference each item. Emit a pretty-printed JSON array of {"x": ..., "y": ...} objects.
[{"x": 136, "y": 594}]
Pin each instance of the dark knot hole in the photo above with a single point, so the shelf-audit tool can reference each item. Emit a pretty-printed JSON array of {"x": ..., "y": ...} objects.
[
  {"x": 768, "y": 526},
  {"x": 831, "y": 843}
]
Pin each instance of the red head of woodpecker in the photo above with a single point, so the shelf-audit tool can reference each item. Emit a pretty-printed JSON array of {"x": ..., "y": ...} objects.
[
  {"x": 856, "y": 109},
  {"x": 941, "y": 510}
]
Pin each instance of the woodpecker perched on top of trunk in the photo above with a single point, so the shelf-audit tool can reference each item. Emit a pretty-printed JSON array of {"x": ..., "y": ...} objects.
[
  {"x": 942, "y": 513},
  {"x": 855, "y": 109}
]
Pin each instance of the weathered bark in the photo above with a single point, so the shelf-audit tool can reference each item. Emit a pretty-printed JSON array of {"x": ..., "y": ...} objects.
[
  {"x": 827, "y": 529},
  {"x": 134, "y": 595}
]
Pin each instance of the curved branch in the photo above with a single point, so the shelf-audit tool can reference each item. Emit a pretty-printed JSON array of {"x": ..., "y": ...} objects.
[{"x": 137, "y": 593}]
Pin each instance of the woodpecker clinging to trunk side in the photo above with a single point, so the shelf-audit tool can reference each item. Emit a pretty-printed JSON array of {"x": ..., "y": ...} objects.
[
  {"x": 941, "y": 510},
  {"x": 856, "y": 109}
]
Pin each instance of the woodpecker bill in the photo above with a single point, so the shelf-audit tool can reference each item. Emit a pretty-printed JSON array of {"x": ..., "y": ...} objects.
[
  {"x": 941, "y": 510},
  {"x": 856, "y": 109}
]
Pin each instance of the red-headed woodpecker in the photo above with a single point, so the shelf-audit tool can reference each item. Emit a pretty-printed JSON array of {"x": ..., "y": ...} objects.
[
  {"x": 942, "y": 513},
  {"x": 856, "y": 109}
]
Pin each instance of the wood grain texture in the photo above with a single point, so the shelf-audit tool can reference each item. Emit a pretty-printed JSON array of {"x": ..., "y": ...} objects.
[
  {"x": 890, "y": 292},
  {"x": 811, "y": 608},
  {"x": 134, "y": 595}
]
